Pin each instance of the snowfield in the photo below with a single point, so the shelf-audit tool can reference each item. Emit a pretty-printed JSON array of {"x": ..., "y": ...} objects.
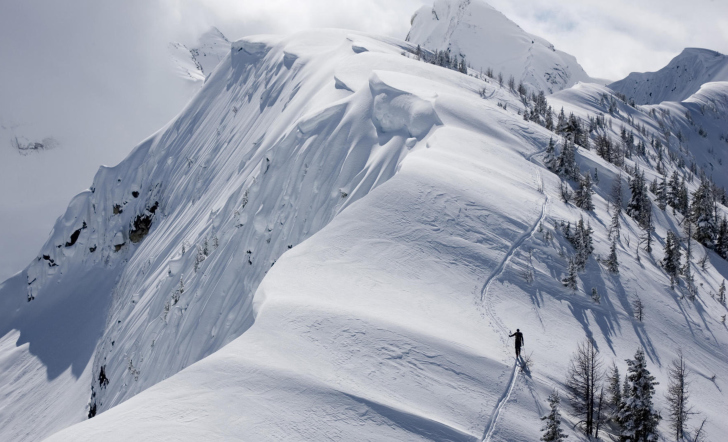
[
  {"x": 488, "y": 39},
  {"x": 677, "y": 81},
  {"x": 333, "y": 241}
]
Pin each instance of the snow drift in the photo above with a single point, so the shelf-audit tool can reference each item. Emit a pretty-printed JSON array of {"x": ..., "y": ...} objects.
[{"x": 334, "y": 241}]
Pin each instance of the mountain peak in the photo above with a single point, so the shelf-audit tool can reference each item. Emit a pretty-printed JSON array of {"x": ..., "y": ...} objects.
[
  {"x": 680, "y": 79},
  {"x": 488, "y": 39}
]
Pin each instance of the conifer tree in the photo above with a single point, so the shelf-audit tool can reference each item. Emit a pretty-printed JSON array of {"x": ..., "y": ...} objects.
[
  {"x": 661, "y": 193},
  {"x": 617, "y": 194},
  {"x": 582, "y": 381},
  {"x": 671, "y": 261},
  {"x": 639, "y": 203},
  {"x": 612, "y": 261},
  {"x": 583, "y": 198},
  {"x": 570, "y": 280},
  {"x": 721, "y": 293},
  {"x": 552, "y": 426},
  {"x": 673, "y": 191},
  {"x": 702, "y": 214},
  {"x": 614, "y": 391},
  {"x": 677, "y": 396},
  {"x": 550, "y": 158},
  {"x": 687, "y": 269},
  {"x": 682, "y": 203},
  {"x": 721, "y": 239},
  {"x": 637, "y": 415},
  {"x": 647, "y": 237},
  {"x": 566, "y": 161}
]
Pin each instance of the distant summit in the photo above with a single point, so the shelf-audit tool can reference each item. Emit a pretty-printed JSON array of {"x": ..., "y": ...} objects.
[
  {"x": 198, "y": 62},
  {"x": 680, "y": 79},
  {"x": 488, "y": 39}
]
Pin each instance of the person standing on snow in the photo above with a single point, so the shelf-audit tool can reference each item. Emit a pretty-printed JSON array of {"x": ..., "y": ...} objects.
[{"x": 519, "y": 341}]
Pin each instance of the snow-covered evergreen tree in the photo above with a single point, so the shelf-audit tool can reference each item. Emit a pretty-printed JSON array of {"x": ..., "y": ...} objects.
[
  {"x": 721, "y": 239},
  {"x": 614, "y": 391},
  {"x": 702, "y": 214},
  {"x": 637, "y": 415},
  {"x": 566, "y": 161},
  {"x": 612, "y": 262},
  {"x": 552, "y": 426},
  {"x": 550, "y": 156},
  {"x": 647, "y": 236},
  {"x": 639, "y": 203},
  {"x": 671, "y": 261},
  {"x": 570, "y": 281},
  {"x": 661, "y": 191},
  {"x": 583, "y": 197}
]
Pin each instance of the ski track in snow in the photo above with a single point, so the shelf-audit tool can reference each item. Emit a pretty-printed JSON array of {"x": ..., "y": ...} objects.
[
  {"x": 506, "y": 259},
  {"x": 490, "y": 311},
  {"x": 501, "y": 404}
]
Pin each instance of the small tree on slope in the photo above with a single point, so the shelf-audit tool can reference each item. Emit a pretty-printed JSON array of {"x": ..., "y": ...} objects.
[
  {"x": 677, "y": 396},
  {"x": 583, "y": 197},
  {"x": 552, "y": 428},
  {"x": 612, "y": 262},
  {"x": 702, "y": 214},
  {"x": 582, "y": 381},
  {"x": 614, "y": 392},
  {"x": 638, "y": 418},
  {"x": 671, "y": 261}
]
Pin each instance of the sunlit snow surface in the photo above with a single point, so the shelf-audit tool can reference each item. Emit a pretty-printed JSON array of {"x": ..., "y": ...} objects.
[
  {"x": 488, "y": 39},
  {"x": 374, "y": 219},
  {"x": 677, "y": 81}
]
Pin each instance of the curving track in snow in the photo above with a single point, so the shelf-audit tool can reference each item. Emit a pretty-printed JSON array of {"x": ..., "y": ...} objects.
[
  {"x": 490, "y": 311},
  {"x": 488, "y": 433}
]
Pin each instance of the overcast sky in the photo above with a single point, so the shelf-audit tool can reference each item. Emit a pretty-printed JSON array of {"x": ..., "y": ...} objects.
[{"x": 95, "y": 75}]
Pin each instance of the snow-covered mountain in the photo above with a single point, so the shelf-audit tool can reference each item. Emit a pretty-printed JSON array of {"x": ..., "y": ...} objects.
[
  {"x": 198, "y": 62},
  {"x": 488, "y": 39},
  {"x": 677, "y": 81},
  {"x": 335, "y": 239}
]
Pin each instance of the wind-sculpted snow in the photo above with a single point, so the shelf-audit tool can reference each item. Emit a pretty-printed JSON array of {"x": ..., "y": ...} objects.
[
  {"x": 333, "y": 241},
  {"x": 488, "y": 39},
  {"x": 677, "y": 81},
  {"x": 185, "y": 228}
]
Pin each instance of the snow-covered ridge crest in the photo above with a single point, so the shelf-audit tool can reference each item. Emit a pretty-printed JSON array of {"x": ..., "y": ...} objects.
[
  {"x": 197, "y": 62},
  {"x": 185, "y": 228},
  {"x": 488, "y": 39},
  {"x": 677, "y": 81}
]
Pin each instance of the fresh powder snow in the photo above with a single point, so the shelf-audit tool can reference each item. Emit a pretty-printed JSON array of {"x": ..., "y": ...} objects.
[{"x": 334, "y": 241}]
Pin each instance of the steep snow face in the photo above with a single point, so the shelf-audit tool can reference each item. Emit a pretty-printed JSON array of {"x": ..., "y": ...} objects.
[
  {"x": 197, "y": 63},
  {"x": 154, "y": 267},
  {"x": 334, "y": 241},
  {"x": 677, "y": 81},
  {"x": 488, "y": 39},
  {"x": 392, "y": 322}
]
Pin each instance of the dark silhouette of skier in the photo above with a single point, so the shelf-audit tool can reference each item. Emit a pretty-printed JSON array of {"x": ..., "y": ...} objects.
[{"x": 519, "y": 341}]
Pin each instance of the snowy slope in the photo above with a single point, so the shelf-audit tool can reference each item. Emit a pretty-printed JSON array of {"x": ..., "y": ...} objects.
[
  {"x": 677, "y": 81},
  {"x": 333, "y": 241},
  {"x": 489, "y": 39},
  {"x": 391, "y": 322},
  {"x": 198, "y": 62}
]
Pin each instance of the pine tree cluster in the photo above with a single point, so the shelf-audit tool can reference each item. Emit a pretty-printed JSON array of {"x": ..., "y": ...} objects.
[{"x": 444, "y": 59}]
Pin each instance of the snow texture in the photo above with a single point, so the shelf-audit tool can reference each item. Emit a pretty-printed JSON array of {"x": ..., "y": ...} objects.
[
  {"x": 488, "y": 39},
  {"x": 198, "y": 62},
  {"x": 333, "y": 241},
  {"x": 677, "y": 81}
]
